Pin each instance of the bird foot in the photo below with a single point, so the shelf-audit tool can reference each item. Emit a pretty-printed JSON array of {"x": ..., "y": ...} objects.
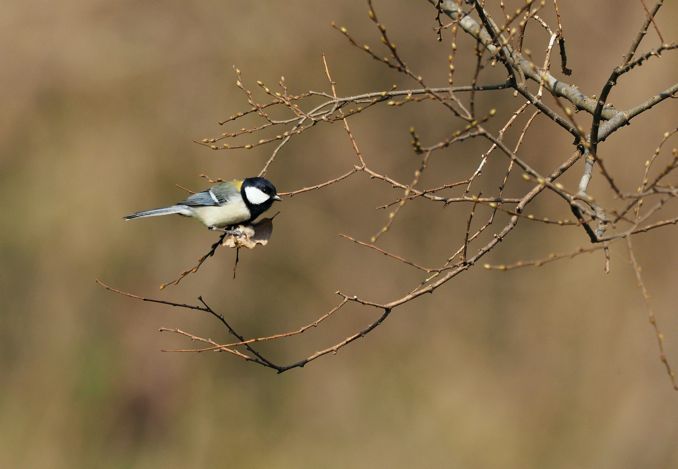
[{"x": 229, "y": 231}]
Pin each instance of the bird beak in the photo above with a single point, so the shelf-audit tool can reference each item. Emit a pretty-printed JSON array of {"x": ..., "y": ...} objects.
[{"x": 276, "y": 197}]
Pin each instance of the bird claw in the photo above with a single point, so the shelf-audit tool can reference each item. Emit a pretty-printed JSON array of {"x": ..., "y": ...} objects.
[{"x": 229, "y": 231}]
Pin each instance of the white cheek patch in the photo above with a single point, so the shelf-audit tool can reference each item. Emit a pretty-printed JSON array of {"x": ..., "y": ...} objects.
[{"x": 255, "y": 195}]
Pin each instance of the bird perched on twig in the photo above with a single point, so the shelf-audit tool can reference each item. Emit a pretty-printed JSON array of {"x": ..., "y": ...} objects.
[{"x": 223, "y": 205}]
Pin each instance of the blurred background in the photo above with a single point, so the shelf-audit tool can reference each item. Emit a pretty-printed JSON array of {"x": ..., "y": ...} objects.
[{"x": 552, "y": 367}]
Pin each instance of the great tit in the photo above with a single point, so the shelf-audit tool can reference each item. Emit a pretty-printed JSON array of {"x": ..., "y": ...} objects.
[{"x": 224, "y": 204}]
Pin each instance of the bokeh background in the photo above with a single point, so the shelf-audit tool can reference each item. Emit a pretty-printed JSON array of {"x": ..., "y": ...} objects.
[{"x": 101, "y": 102}]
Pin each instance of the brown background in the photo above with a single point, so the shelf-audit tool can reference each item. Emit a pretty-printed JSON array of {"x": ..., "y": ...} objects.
[{"x": 555, "y": 367}]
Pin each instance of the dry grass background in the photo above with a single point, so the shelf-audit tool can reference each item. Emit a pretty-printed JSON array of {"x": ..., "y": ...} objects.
[{"x": 554, "y": 367}]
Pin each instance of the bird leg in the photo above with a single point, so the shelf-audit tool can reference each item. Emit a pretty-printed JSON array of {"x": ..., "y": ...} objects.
[{"x": 229, "y": 231}]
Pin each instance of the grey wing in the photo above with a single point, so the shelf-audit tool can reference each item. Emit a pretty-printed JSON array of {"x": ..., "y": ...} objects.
[{"x": 217, "y": 195}]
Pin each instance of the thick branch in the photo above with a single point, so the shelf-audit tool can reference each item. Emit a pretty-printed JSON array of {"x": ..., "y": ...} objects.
[{"x": 527, "y": 67}]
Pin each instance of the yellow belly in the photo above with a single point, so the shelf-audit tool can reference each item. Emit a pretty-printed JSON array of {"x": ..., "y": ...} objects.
[{"x": 232, "y": 213}]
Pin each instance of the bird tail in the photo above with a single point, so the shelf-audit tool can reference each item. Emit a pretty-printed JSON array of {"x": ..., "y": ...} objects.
[{"x": 178, "y": 209}]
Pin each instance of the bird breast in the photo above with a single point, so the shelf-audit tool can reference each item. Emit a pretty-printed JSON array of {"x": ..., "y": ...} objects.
[{"x": 232, "y": 213}]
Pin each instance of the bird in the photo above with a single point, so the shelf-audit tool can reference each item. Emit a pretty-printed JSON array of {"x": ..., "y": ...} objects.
[{"x": 224, "y": 205}]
